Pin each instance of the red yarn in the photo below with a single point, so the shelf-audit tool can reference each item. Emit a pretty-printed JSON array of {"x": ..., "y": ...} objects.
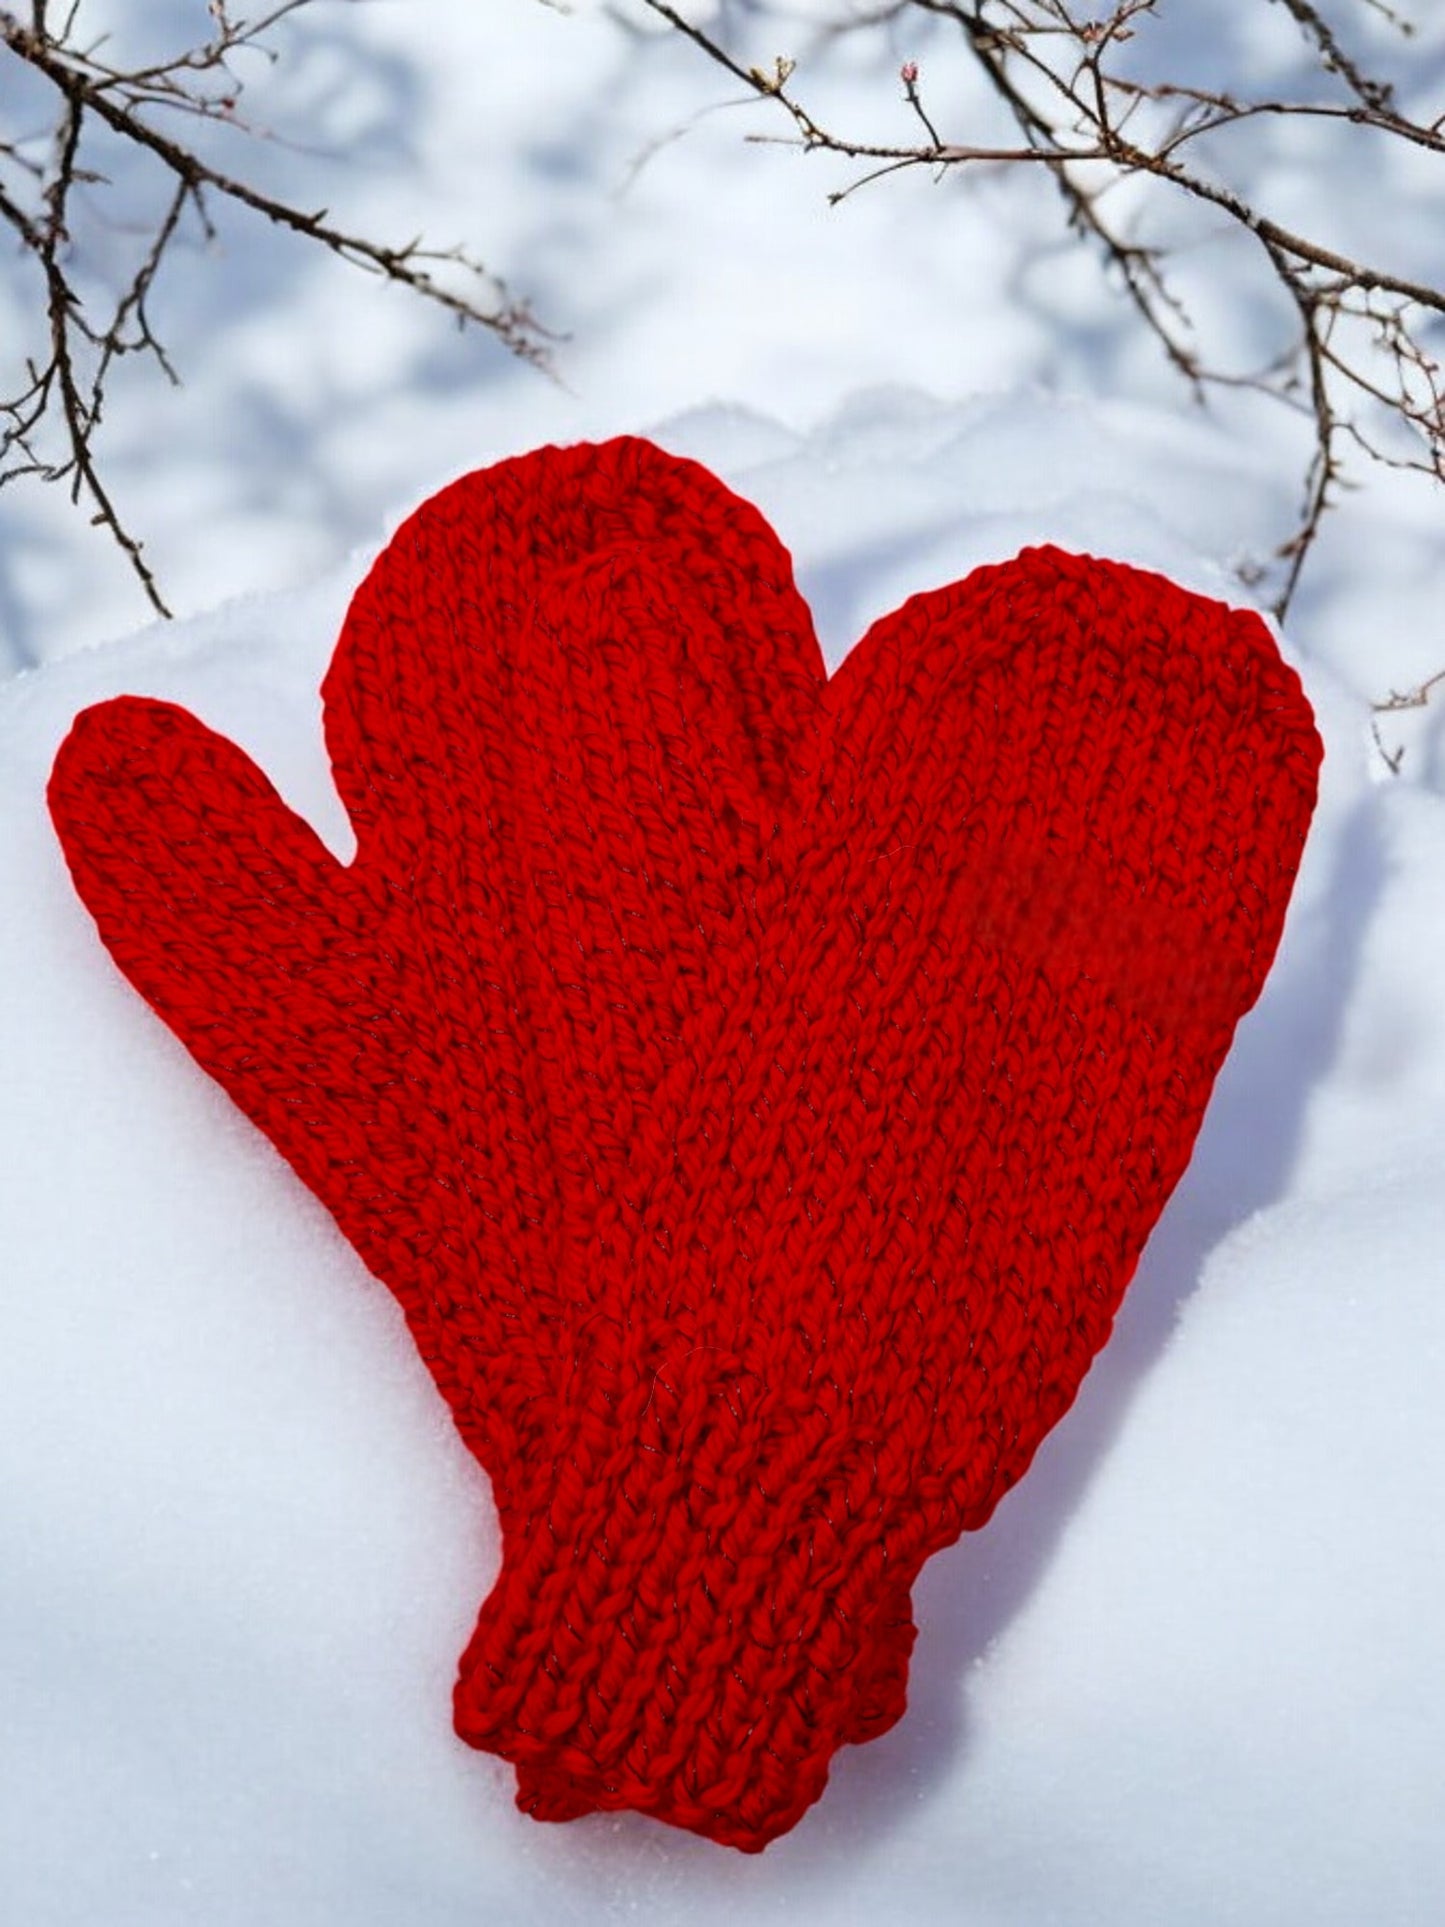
[{"x": 757, "y": 1089}]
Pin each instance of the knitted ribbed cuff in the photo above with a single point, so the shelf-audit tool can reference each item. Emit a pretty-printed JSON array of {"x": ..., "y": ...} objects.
[{"x": 687, "y": 1634}]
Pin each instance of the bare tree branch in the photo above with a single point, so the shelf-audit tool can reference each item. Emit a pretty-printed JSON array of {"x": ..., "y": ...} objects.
[
  {"x": 1359, "y": 368},
  {"x": 61, "y": 395}
]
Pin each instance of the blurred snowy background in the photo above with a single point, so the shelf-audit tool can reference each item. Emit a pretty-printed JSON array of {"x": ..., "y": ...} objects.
[{"x": 1194, "y": 1669}]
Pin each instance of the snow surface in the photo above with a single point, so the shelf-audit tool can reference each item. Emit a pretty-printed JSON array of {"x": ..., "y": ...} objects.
[{"x": 1194, "y": 1669}]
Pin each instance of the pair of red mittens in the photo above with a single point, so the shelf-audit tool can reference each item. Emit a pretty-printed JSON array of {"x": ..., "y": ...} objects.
[{"x": 756, "y": 1088}]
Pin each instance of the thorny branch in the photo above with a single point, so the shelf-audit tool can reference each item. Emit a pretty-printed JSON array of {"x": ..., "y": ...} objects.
[
  {"x": 50, "y": 420},
  {"x": 1392, "y": 705},
  {"x": 1359, "y": 367}
]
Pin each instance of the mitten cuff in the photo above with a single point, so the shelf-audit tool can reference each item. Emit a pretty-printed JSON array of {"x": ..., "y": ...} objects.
[{"x": 687, "y": 1631}]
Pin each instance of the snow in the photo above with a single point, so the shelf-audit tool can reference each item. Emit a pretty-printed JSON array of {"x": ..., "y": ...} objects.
[{"x": 1194, "y": 1669}]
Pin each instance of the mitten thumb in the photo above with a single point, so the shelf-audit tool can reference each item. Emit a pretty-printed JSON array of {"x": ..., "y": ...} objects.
[{"x": 222, "y": 907}]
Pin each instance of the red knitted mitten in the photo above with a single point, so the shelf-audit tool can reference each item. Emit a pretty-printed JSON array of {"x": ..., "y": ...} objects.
[{"x": 756, "y": 1089}]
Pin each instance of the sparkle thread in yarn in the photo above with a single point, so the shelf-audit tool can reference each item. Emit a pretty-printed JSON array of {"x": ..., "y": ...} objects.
[{"x": 756, "y": 1088}]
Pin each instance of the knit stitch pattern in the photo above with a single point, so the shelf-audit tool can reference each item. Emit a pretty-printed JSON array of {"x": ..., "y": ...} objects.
[{"x": 756, "y": 1088}]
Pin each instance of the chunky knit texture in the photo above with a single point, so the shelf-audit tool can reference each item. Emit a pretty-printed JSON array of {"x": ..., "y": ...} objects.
[{"x": 756, "y": 1089}]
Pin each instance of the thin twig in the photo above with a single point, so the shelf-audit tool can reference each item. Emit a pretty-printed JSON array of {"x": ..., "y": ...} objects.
[
  {"x": 62, "y": 394},
  {"x": 1056, "y": 69}
]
